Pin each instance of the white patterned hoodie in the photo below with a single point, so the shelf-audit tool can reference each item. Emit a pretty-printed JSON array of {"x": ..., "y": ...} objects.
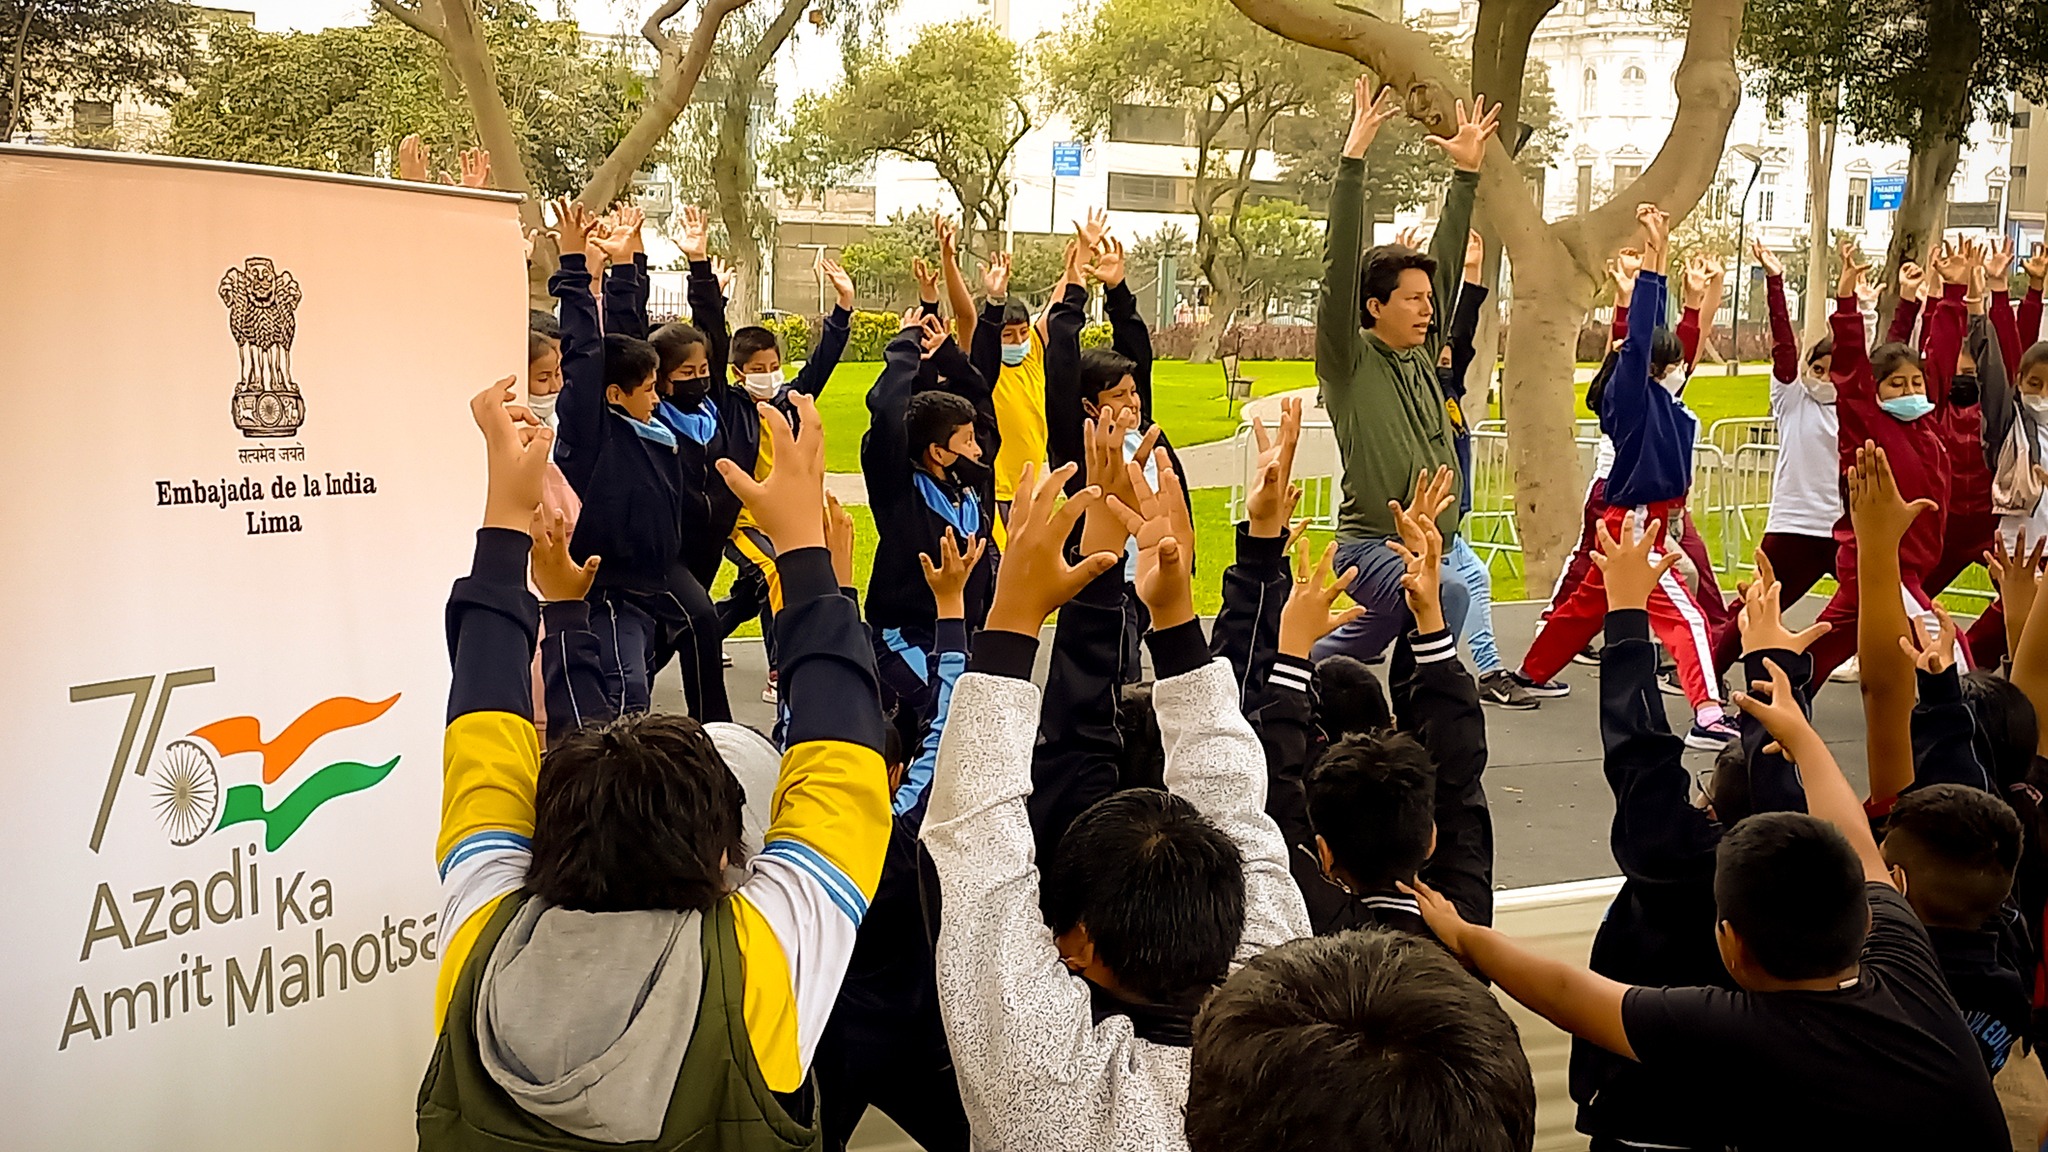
[{"x": 1036, "y": 1073}]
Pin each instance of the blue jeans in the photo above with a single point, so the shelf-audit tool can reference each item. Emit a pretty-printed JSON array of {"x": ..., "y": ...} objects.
[
  {"x": 1377, "y": 589},
  {"x": 1478, "y": 581}
]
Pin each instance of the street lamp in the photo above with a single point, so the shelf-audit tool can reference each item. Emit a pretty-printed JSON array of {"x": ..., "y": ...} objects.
[{"x": 1755, "y": 156}]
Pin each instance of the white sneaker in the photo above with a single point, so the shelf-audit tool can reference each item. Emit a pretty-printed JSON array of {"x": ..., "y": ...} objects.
[
  {"x": 770, "y": 695},
  {"x": 1847, "y": 673}
]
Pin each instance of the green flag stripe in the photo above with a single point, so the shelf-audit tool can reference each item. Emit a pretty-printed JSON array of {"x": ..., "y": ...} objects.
[{"x": 244, "y": 802}]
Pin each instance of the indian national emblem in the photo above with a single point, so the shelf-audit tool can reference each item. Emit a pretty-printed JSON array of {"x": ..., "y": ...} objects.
[{"x": 262, "y": 316}]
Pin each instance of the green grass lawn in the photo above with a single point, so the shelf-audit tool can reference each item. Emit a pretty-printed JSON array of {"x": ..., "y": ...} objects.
[{"x": 1187, "y": 399}]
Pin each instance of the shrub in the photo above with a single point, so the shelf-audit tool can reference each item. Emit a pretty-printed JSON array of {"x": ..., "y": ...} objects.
[
  {"x": 794, "y": 333},
  {"x": 1096, "y": 335},
  {"x": 1250, "y": 341},
  {"x": 871, "y": 333}
]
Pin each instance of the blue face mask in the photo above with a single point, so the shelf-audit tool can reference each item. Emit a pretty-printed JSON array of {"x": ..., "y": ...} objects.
[
  {"x": 1909, "y": 407},
  {"x": 1014, "y": 354}
]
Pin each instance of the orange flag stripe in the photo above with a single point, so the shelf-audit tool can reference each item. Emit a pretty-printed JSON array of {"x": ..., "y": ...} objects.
[{"x": 239, "y": 734}]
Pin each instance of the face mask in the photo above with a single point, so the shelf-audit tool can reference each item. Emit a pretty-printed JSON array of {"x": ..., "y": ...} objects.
[
  {"x": 687, "y": 393},
  {"x": 543, "y": 407},
  {"x": 2038, "y": 405},
  {"x": 1962, "y": 391},
  {"x": 1014, "y": 354},
  {"x": 1821, "y": 390},
  {"x": 1674, "y": 380},
  {"x": 763, "y": 385},
  {"x": 1908, "y": 408},
  {"x": 966, "y": 472}
]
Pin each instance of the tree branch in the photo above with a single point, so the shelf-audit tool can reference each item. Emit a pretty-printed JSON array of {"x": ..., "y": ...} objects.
[
  {"x": 676, "y": 81},
  {"x": 415, "y": 19}
]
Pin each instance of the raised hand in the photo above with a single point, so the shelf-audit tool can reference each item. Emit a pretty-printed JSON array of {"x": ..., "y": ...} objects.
[
  {"x": 1780, "y": 714},
  {"x": 995, "y": 278},
  {"x": 1092, "y": 231},
  {"x": 2036, "y": 266},
  {"x": 1109, "y": 264},
  {"x": 839, "y": 539},
  {"x": 1311, "y": 611},
  {"x": 2017, "y": 573},
  {"x": 556, "y": 575},
  {"x": 949, "y": 574},
  {"x": 1625, "y": 564},
  {"x": 572, "y": 227},
  {"x": 1411, "y": 237},
  {"x": 1656, "y": 225},
  {"x": 1467, "y": 147},
  {"x": 949, "y": 237},
  {"x": 516, "y": 447},
  {"x": 1475, "y": 255},
  {"x": 1850, "y": 284},
  {"x": 1034, "y": 578},
  {"x": 1931, "y": 654},
  {"x": 1077, "y": 258},
  {"x": 725, "y": 274},
  {"x": 476, "y": 167},
  {"x": 617, "y": 241},
  {"x": 695, "y": 240},
  {"x": 1274, "y": 496},
  {"x": 790, "y": 504},
  {"x": 1103, "y": 439},
  {"x": 1953, "y": 262},
  {"x": 842, "y": 284},
  {"x": 1166, "y": 543},
  {"x": 1773, "y": 266},
  {"x": 927, "y": 278},
  {"x": 1421, "y": 546},
  {"x": 412, "y": 159},
  {"x": 1880, "y": 516},
  {"x": 1998, "y": 263},
  {"x": 1368, "y": 112},
  {"x": 1762, "y": 618},
  {"x": 1698, "y": 278}
]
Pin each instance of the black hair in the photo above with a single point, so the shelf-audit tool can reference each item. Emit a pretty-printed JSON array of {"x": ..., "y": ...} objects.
[
  {"x": 1016, "y": 312},
  {"x": 2035, "y": 356},
  {"x": 933, "y": 418},
  {"x": 1143, "y": 764},
  {"x": 635, "y": 815},
  {"x": 1348, "y": 698},
  {"x": 543, "y": 321},
  {"x": 539, "y": 344},
  {"x": 672, "y": 344},
  {"x": 2007, "y": 728},
  {"x": 1596, "y": 390},
  {"x": 1730, "y": 792},
  {"x": 1959, "y": 846},
  {"x": 1372, "y": 798},
  {"x": 1791, "y": 887},
  {"x": 1886, "y": 359},
  {"x": 1825, "y": 346},
  {"x": 753, "y": 338},
  {"x": 1381, "y": 275},
  {"x": 1665, "y": 350},
  {"x": 629, "y": 362},
  {"x": 1368, "y": 1039},
  {"x": 1103, "y": 369},
  {"x": 1159, "y": 888}
]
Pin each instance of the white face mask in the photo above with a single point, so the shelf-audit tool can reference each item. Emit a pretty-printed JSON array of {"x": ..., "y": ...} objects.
[
  {"x": 763, "y": 385},
  {"x": 1674, "y": 380},
  {"x": 1821, "y": 390},
  {"x": 2038, "y": 405},
  {"x": 543, "y": 407}
]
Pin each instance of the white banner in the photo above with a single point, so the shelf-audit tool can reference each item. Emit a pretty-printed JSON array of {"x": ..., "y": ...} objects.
[{"x": 241, "y": 475}]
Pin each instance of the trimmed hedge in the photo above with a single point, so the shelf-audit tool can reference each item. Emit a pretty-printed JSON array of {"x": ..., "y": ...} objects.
[{"x": 872, "y": 331}]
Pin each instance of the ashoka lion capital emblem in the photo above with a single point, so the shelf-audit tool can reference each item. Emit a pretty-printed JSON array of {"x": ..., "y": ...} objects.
[{"x": 262, "y": 316}]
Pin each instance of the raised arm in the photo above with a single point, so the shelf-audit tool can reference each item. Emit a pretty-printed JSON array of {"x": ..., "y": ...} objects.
[
  {"x": 2030, "y": 305},
  {"x": 1255, "y": 587},
  {"x": 985, "y": 351},
  {"x": 1911, "y": 279},
  {"x": 490, "y": 759},
  {"x": 1337, "y": 316},
  {"x": 706, "y": 298},
  {"x": 885, "y": 450},
  {"x": 1466, "y": 149},
  {"x": 1881, "y": 517},
  {"x": 1784, "y": 340},
  {"x": 579, "y": 411},
  {"x": 1063, "y": 410},
  {"x": 1828, "y": 795},
  {"x": 947, "y": 576},
  {"x": 625, "y": 281},
  {"x": 832, "y": 335},
  {"x": 1128, "y": 333},
  {"x": 958, "y": 298},
  {"x": 1464, "y": 327},
  {"x": 571, "y": 663},
  {"x": 1849, "y": 367}
]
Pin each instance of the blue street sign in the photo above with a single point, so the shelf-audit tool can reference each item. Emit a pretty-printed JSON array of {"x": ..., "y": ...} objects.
[
  {"x": 1887, "y": 193},
  {"x": 1066, "y": 159}
]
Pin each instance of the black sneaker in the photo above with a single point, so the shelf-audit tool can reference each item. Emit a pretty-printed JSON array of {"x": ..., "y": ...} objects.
[
  {"x": 1667, "y": 682},
  {"x": 1547, "y": 690},
  {"x": 1589, "y": 656},
  {"x": 1499, "y": 689}
]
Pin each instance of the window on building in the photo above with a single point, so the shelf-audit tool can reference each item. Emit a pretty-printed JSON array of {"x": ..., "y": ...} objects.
[
  {"x": 1806, "y": 210},
  {"x": 1589, "y": 92},
  {"x": 1625, "y": 175},
  {"x": 1585, "y": 200},
  {"x": 1859, "y": 202},
  {"x": 1135, "y": 192},
  {"x": 1143, "y": 124},
  {"x": 1767, "y": 197},
  {"x": 90, "y": 116},
  {"x": 2024, "y": 118},
  {"x": 1633, "y": 84}
]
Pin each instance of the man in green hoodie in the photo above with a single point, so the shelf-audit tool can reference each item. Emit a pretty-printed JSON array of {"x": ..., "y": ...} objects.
[{"x": 1376, "y": 352}]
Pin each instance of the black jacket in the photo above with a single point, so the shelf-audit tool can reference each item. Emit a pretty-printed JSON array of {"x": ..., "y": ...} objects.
[
  {"x": 1065, "y": 436},
  {"x": 905, "y": 523},
  {"x": 1659, "y": 931}
]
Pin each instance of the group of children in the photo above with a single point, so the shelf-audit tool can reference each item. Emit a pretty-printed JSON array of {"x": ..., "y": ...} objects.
[{"x": 1243, "y": 903}]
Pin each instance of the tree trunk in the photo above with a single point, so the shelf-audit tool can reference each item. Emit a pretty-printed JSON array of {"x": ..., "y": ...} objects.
[
  {"x": 1479, "y": 377},
  {"x": 1556, "y": 265},
  {"x": 733, "y": 181},
  {"x": 17, "y": 71},
  {"x": 1225, "y": 294},
  {"x": 1953, "y": 37},
  {"x": 1820, "y": 170}
]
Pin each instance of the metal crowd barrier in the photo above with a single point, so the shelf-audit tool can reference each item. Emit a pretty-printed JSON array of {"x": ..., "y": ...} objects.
[{"x": 1734, "y": 465}]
